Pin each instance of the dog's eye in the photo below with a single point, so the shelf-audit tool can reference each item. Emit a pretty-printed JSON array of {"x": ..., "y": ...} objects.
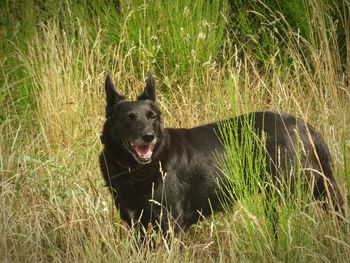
[
  {"x": 132, "y": 116},
  {"x": 152, "y": 115}
]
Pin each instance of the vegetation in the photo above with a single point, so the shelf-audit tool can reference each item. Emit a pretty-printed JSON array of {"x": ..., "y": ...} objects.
[{"x": 211, "y": 60}]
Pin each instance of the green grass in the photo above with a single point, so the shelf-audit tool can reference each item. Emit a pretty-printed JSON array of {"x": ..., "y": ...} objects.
[{"x": 54, "y": 58}]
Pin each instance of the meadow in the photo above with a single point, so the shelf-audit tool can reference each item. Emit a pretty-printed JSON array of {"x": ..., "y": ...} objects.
[{"x": 210, "y": 60}]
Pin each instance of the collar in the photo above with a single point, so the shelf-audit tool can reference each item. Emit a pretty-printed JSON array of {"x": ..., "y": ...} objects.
[
  {"x": 131, "y": 171},
  {"x": 128, "y": 170}
]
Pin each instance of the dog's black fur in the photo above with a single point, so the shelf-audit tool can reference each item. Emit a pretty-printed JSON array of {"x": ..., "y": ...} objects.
[{"x": 149, "y": 168}]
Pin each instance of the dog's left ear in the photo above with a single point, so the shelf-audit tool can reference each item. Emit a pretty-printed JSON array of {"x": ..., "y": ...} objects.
[
  {"x": 112, "y": 96},
  {"x": 150, "y": 90}
]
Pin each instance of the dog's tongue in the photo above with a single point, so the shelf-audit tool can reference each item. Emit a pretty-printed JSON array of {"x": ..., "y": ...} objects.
[{"x": 144, "y": 151}]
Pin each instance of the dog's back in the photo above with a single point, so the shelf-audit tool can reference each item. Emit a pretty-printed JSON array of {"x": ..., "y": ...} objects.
[{"x": 149, "y": 168}]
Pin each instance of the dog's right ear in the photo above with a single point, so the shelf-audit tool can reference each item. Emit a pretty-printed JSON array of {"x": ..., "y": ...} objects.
[
  {"x": 112, "y": 96},
  {"x": 150, "y": 90}
]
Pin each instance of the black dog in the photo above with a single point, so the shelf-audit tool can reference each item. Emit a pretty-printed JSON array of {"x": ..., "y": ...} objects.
[{"x": 150, "y": 169}]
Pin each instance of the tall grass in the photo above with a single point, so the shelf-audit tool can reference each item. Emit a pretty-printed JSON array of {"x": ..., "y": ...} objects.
[
  {"x": 53, "y": 64},
  {"x": 175, "y": 39}
]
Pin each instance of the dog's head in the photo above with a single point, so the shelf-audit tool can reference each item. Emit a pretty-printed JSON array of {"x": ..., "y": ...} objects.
[{"x": 133, "y": 125}]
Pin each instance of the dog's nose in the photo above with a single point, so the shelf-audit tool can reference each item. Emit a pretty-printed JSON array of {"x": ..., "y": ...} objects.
[{"x": 148, "y": 137}]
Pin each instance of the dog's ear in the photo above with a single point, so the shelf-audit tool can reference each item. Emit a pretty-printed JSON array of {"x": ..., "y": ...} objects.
[
  {"x": 150, "y": 90},
  {"x": 112, "y": 96}
]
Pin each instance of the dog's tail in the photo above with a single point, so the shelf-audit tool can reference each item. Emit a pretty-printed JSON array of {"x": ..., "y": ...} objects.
[{"x": 326, "y": 185}]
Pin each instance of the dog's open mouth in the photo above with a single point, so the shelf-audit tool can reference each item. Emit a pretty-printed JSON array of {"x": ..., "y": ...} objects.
[{"x": 141, "y": 152}]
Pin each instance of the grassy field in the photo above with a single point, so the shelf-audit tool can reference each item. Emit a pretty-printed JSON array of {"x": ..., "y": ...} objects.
[{"x": 211, "y": 60}]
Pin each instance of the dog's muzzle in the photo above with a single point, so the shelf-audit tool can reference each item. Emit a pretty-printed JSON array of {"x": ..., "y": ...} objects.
[{"x": 142, "y": 149}]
